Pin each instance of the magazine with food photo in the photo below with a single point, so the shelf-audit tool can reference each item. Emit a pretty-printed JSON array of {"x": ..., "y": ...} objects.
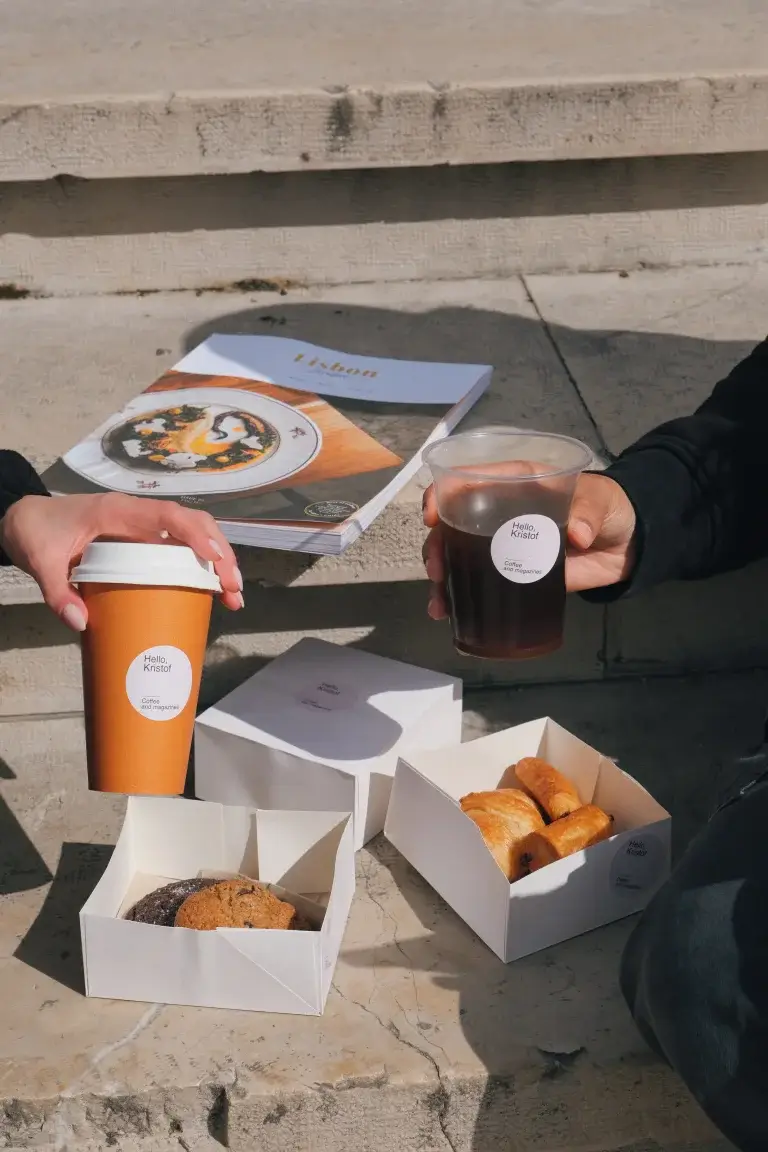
[{"x": 288, "y": 445}]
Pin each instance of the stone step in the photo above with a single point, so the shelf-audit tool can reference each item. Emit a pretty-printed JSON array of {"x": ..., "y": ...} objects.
[
  {"x": 184, "y": 146},
  {"x": 427, "y": 1042},
  {"x": 69, "y": 236},
  {"x": 601, "y": 357},
  {"x": 187, "y": 89}
]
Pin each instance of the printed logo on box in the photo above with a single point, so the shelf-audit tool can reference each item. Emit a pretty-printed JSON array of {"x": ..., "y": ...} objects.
[
  {"x": 526, "y": 548},
  {"x": 159, "y": 682},
  {"x": 638, "y": 865},
  {"x": 328, "y": 696}
]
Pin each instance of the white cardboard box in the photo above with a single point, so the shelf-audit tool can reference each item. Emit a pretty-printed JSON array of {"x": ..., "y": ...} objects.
[
  {"x": 166, "y": 839},
  {"x": 604, "y": 883},
  {"x": 321, "y": 727}
]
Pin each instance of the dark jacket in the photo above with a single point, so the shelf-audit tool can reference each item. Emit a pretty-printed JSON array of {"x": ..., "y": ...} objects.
[
  {"x": 699, "y": 485},
  {"x": 17, "y": 478}
]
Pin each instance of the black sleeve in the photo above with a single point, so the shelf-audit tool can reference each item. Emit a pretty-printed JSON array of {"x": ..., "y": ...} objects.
[
  {"x": 699, "y": 485},
  {"x": 17, "y": 478}
]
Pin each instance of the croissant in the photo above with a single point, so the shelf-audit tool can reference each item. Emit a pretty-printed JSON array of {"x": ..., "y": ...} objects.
[
  {"x": 505, "y": 802},
  {"x": 553, "y": 791},
  {"x": 581, "y": 829},
  {"x": 505, "y": 818}
]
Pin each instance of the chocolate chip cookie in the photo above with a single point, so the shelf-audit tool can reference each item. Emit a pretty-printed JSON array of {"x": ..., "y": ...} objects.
[{"x": 235, "y": 904}]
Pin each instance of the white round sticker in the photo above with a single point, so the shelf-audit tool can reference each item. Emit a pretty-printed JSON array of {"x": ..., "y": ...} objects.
[
  {"x": 638, "y": 865},
  {"x": 525, "y": 549},
  {"x": 159, "y": 682}
]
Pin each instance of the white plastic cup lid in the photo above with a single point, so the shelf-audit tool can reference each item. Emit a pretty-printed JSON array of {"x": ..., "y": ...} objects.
[{"x": 153, "y": 565}]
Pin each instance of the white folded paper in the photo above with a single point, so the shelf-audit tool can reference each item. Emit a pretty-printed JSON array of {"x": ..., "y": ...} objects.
[
  {"x": 603, "y": 883},
  {"x": 309, "y": 854}
]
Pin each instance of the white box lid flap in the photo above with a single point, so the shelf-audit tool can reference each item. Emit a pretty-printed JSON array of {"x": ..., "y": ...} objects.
[{"x": 331, "y": 704}]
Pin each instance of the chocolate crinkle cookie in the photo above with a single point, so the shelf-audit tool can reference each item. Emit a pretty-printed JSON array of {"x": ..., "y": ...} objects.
[
  {"x": 160, "y": 907},
  {"x": 235, "y": 904}
]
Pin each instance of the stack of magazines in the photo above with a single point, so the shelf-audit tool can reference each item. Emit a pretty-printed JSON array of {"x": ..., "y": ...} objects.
[{"x": 288, "y": 445}]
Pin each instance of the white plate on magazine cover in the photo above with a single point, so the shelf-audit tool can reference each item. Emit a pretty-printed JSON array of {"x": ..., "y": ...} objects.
[{"x": 197, "y": 441}]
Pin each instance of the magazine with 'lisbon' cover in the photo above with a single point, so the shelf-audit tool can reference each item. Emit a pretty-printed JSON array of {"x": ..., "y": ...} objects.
[{"x": 288, "y": 445}]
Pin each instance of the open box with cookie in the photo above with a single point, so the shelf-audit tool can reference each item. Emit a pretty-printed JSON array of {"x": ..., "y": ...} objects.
[
  {"x": 531, "y": 835},
  {"x": 220, "y": 906}
]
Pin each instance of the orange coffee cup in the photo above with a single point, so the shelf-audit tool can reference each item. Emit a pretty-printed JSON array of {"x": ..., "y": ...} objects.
[{"x": 149, "y": 609}]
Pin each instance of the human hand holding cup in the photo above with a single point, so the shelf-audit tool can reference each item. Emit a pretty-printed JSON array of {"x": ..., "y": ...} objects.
[{"x": 503, "y": 498}]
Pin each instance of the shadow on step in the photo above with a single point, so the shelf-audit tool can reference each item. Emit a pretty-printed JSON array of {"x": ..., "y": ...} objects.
[
  {"x": 68, "y": 206},
  {"x": 22, "y": 868},
  {"x": 52, "y": 944}
]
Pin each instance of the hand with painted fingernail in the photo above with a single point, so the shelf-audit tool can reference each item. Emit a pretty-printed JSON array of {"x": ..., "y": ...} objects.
[
  {"x": 46, "y": 537},
  {"x": 601, "y": 540}
]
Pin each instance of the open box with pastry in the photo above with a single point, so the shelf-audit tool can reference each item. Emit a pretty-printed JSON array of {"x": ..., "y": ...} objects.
[
  {"x": 531, "y": 835},
  {"x": 220, "y": 906}
]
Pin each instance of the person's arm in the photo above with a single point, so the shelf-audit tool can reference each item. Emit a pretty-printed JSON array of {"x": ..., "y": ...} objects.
[
  {"x": 699, "y": 485},
  {"x": 17, "y": 478}
]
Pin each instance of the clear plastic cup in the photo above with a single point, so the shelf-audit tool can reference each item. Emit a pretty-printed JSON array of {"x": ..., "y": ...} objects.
[
  {"x": 503, "y": 497},
  {"x": 149, "y": 608}
]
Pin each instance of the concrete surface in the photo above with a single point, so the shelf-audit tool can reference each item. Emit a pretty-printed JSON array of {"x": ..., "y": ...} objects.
[
  {"x": 68, "y": 236},
  {"x": 613, "y": 357},
  {"x": 428, "y": 1042},
  {"x": 653, "y": 344},
  {"x": 103, "y": 90}
]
